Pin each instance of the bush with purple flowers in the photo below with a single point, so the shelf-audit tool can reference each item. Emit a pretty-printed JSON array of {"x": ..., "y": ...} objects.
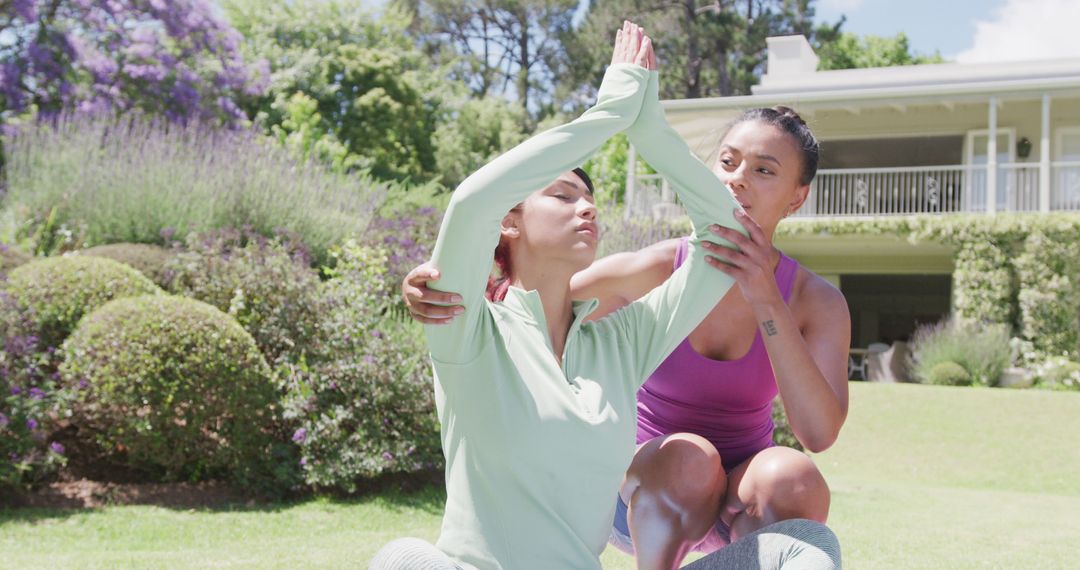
[
  {"x": 135, "y": 179},
  {"x": 267, "y": 285},
  {"x": 407, "y": 236},
  {"x": 30, "y": 404},
  {"x": 364, "y": 406}
]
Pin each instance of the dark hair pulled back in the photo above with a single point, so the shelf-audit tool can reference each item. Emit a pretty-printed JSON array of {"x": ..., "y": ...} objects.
[
  {"x": 788, "y": 121},
  {"x": 498, "y": 285}
]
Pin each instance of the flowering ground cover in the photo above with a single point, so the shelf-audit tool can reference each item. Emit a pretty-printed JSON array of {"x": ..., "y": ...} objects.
[{"x": 922, "y": 477}]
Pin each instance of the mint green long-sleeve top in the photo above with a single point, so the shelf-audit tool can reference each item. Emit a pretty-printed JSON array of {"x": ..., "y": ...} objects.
[{"x": 535, "y": 452}]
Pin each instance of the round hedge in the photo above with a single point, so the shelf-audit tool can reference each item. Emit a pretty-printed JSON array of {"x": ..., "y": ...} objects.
[
  {"x": 175, "y": 384},
  {"x": 10, "y": 258},
  {"x": 949, "y": 374},
  {"x": 147, "y": 259},
  {"x": 58, "y": 291}
]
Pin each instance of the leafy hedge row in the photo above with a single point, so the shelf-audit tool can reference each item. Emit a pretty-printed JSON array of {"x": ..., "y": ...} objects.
[
  {"x": 255, "y": 370},
  {"x": 1022, "y": 270}
]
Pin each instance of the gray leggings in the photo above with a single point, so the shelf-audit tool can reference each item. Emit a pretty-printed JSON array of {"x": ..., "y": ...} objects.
[{"x": 796, "y": 544}]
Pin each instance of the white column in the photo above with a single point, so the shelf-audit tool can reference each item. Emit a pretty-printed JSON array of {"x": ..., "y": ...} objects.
[
  {"x": 1044, "y": 156},
  {"x": 991, "y": 160},
  {"x": 631, "y": 181}
]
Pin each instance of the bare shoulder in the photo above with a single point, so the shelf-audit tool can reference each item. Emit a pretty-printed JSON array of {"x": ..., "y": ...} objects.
[{"x": 815, "y": 298}]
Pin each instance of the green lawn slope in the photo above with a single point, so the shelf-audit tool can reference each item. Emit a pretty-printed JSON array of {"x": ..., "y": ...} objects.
[{"x": 922, "y": 477}]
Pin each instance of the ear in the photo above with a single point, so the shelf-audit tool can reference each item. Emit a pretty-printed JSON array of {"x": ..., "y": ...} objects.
[
  {"x": 801, "y": 193},
  {"x": 509, "y": 226}
]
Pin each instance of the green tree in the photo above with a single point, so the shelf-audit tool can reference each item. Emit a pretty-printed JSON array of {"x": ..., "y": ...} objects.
[
  {"x": 473, "y": 132},
  {"x": 342, "y": 74},
  {"x": 509, "y": 48},
  {"x": 845, "y": 50},
  {"x": 706, "y": 48}
]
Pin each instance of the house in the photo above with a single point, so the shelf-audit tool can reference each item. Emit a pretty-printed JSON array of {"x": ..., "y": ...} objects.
[{"x": 923, "y": 140}]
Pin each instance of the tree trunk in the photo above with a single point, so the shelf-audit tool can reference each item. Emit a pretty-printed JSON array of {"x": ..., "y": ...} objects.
[{"x": 693, "y": 58}]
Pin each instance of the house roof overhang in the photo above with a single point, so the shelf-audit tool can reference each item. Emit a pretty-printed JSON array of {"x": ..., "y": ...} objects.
[{"x": 698, "y": 120}]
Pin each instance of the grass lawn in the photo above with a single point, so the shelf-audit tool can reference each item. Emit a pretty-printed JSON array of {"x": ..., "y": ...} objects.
[{"x": 922, "y": 477}]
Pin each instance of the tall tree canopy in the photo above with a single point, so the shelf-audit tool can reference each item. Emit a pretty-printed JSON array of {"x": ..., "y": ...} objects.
[
  {"x": 510, "y": 48},
  {"x": 708, "y": 48},
  {"x": 177, "y": 58},
  {"x": 345, "y": 84}
]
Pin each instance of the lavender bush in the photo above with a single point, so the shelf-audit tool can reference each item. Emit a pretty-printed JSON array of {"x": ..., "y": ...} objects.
[
  {"x": 176, "y": 58},
  {"x": 980, "y": 349},
  {"x": 619, "y": 233},
  {"x": 364, "y": 406},
  {"x": 139, "y": 180}
]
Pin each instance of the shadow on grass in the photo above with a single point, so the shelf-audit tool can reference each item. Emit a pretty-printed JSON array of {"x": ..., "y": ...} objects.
[{"x": 424, "y": 491}]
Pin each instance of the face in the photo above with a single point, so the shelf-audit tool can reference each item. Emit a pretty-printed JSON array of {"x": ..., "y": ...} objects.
[
  {"x": 558, "y": 221},
  {"x": 762, "y": 166}
]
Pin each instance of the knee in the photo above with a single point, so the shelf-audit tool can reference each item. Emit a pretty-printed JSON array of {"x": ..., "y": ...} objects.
[
  {"x": 686, "y": 468},
  {"x": 791, "y": 484}
]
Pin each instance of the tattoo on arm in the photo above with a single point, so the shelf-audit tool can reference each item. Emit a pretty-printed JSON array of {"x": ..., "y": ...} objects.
[{"x": 770, "y": 328}]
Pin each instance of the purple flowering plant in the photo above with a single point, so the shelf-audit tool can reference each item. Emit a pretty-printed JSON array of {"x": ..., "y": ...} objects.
[
  {"x": 32, "y": 404},
  {"x": 363, "y": 405},
  {"x": 177, "y": 58},
  {"x": 138, "y": 179}
]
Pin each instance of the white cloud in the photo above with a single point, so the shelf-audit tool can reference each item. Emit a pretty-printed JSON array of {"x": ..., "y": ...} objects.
[{"x": 1026, "y": 30}]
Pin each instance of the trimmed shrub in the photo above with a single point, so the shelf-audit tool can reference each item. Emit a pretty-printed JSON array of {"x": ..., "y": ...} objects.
[
  {"x": 58, "y": 291},
  {"x": 267, "y": 285},
  {"x": 174, "y": 387},
  {"x": 982, "y": 350},
  {"x": 982, "y": 283},
  {"x": 1049, "y": 272},
  {"x": 949, "y": 374},
  {"x": 147, "y": 259},
  {"x": 366, "y": 408},
  {"x": 10, "y": 258}
]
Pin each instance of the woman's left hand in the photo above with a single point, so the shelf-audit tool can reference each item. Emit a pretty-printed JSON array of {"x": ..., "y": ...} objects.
[{"x": 751, "y": 265}]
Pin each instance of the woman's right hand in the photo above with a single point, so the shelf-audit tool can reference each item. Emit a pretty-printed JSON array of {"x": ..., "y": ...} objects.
[
  {"x": 633, "y": 46},
  {"x": 426, "y": 305}
]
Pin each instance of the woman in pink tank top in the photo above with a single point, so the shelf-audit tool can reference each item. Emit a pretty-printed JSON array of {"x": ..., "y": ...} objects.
[{"x": 706, "y": 471}]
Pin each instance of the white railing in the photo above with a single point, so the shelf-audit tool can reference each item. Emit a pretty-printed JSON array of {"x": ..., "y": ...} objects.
[
  {"x": 877, "y": 191},
  {"x": 1065, "y": 186},
  {"x": 904, "y": 191}
]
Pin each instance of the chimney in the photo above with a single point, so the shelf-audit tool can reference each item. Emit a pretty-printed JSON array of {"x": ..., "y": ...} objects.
[{"x": 788, "y": 56}]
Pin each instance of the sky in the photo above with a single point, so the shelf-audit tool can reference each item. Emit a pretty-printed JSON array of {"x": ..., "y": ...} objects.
[{"x": 967, "y": 31}]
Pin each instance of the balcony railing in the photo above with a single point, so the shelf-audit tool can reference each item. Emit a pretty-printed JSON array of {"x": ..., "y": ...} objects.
[{"x": 911, "y": 190}]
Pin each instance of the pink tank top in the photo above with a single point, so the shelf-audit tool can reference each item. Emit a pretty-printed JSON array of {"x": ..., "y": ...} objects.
[{"x": 727, "y": 402}]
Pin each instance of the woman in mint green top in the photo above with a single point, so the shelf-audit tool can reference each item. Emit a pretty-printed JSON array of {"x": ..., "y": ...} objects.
[{"x": 537, "y": 408}]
